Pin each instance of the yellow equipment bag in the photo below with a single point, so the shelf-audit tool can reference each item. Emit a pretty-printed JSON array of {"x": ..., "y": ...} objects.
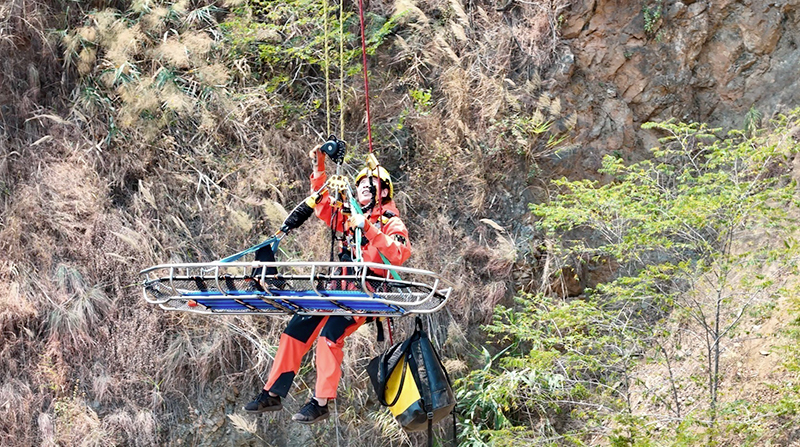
[
  {"x": 410, "y": 379},
  {"x": 407, "y": 393}
]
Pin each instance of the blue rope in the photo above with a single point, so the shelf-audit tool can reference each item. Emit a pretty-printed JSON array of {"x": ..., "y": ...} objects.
[{"x": 274, "y": 241}]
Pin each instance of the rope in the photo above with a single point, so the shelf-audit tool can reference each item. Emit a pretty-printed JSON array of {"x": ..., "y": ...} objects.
[
  {"x": 327, "y": 70},
  {"x": 336, "y": 418},
  {"x": 341, "y": 74},
  {"x": 366, "y": 78},
  {"x": 334, "y": 216},
  {"x": 433, "y": 334},
  {"x": 341, "y": 69}
]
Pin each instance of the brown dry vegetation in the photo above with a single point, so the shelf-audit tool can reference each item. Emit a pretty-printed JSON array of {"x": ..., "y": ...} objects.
[
  {"x": 105, "y": 170},
  {"x": 138, "y": 133}
]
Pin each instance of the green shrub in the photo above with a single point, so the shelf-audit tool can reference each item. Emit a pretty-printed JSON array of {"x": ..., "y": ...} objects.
[{"x": 673, "y": 232}]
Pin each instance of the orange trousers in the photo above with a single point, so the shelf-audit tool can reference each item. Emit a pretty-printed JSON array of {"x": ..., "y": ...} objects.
[{"x": 296, "y": 341}]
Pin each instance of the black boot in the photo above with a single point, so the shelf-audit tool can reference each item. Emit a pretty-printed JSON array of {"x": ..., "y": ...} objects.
[
  {"x": 311, "y": 412},
  {"x": 264, "y": 402}
]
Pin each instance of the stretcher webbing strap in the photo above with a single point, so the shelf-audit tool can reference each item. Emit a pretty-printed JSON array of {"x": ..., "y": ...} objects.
[{"x": 274, "y": 241}]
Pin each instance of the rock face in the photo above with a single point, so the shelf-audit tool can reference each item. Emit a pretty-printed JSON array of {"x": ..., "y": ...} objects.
[{"x": 629, "y": 62}]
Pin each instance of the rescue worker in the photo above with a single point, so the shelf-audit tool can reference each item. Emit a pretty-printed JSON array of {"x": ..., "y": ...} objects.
[{"x": 383, "y": 233}]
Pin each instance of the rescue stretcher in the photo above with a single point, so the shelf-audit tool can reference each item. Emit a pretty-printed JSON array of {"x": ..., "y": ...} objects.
[{"x": 306, "y": 288}]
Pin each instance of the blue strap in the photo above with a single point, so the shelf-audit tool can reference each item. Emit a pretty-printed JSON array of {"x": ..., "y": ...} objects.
[{"x": 274, "y": 240}]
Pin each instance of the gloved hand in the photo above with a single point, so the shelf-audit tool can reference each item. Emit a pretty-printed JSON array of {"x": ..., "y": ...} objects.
[
  {"x": 300, "y": 213},
  {"x": 357, "y": 221},
  {"x": 318, "y": 157}
]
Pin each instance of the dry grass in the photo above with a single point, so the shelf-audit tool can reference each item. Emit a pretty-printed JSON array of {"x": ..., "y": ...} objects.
[
  {"x": 76, "y": 423},
  {"x": 169, "y": 150},
  {"x": 15, "y": 308},
  {"x": 138, "y": 428},
  {"x": 78, "y": 309},
  {"x": 18, "y": 401},
  {"x": 174, "y": 52}
]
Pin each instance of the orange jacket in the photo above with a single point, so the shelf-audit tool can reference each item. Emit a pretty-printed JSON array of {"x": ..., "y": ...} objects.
[{"x": 387, "y": 236}]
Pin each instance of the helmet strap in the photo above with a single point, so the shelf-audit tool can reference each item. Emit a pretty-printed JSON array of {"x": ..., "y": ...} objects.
[
  {"x": 369, "y": 207},
  {"x": 373, "y": 191}
]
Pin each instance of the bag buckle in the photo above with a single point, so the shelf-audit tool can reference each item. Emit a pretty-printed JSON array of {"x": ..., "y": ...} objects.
[{"x": 430, "y": 415}]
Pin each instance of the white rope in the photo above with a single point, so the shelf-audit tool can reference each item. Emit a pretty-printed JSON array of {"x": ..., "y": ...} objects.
[{"x": 336, "y": 416}]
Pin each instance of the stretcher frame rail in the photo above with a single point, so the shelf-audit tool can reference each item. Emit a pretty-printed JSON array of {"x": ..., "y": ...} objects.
[{"x": 306, "y": 288}]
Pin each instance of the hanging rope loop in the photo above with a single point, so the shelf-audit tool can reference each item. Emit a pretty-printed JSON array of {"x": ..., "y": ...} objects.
[{"x": 327, "y": 63}]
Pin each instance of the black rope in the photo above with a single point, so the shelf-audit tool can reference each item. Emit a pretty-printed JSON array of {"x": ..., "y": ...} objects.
[
  {"x": 372, "y": 190},
  {"x": 334, "y": 216}
]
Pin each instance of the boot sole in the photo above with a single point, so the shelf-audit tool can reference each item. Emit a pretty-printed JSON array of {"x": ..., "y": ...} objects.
[
  {"x": 321, "y": 418},
  {"x": 265, "y": 410}
]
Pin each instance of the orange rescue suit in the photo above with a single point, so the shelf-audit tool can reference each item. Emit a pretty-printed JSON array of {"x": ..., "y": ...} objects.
[{"x": 387, "y": 236}]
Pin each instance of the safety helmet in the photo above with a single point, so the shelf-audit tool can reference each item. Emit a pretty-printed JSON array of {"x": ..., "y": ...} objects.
[{"x": 381, "y": 173}]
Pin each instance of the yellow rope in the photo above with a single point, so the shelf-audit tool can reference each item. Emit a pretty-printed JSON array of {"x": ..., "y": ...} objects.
[
  {"x": 327, "y": 71},
  {"x": 341, "y": 69}
]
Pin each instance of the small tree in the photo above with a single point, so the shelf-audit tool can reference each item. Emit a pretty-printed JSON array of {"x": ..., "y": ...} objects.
[{"x": 678, "y": 226}]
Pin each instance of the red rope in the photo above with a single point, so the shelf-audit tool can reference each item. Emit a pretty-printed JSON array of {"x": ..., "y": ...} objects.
[
  {"x": 378, "y": 199},
  {"x": 366, "y": 80}
]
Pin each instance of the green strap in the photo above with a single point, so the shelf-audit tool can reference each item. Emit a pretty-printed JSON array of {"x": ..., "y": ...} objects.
[{"x": 357, "y": 207}]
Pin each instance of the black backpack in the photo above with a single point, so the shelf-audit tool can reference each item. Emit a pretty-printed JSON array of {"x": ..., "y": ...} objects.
[{"x": 419, "y": 403}]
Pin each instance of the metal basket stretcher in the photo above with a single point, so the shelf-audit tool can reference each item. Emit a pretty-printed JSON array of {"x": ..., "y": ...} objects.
[{"x": 308, "y": 288}]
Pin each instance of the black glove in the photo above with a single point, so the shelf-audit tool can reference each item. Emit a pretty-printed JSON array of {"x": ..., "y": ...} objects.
[{"x": 299, "y": 215}]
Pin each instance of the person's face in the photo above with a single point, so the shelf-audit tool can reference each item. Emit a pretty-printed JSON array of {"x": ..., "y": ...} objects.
[{"x": 363, "y": 194}]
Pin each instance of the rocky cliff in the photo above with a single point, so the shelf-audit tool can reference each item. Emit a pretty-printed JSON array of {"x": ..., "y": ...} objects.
[{"x": 624, "y": 63}]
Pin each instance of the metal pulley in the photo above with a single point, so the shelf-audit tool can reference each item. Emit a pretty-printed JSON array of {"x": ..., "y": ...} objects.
[{"x": 335, "y": 149}]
